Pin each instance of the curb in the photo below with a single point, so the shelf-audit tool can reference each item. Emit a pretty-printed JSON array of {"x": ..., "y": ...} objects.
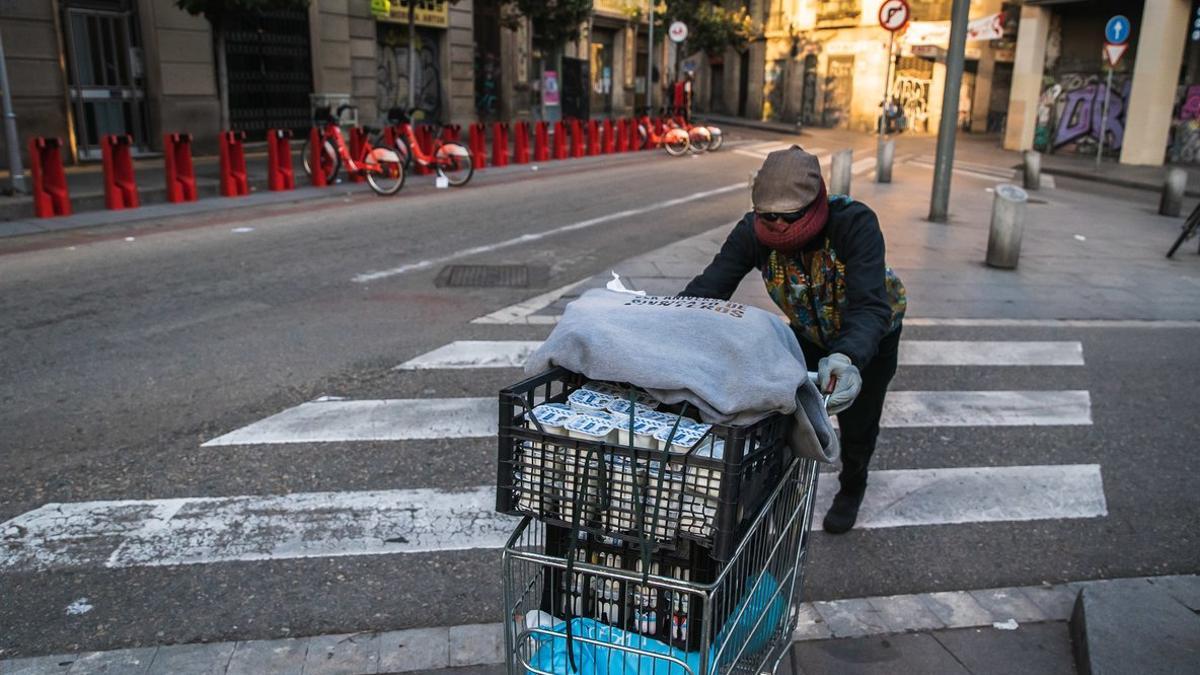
[
  {"x": 775, "y": 127},
  {"x": 422, "y": 649},
  {"x": 1108, "y": 180}
]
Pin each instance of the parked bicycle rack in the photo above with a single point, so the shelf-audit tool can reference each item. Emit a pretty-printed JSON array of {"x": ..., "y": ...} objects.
[
  {"x": 280, "y": 174},
  {"x": 478, "y": 145},
  {"x": 316, "y": 149},
  {"x": 50, "y": 195},
  {"x": 576, "y": 138},
  {"x": 234, "y": 182},
  {"x": 560, "y": 140},
  {"x": 541, "y": 142},
  {"x": 120, "y": 185},
  {"x": 358, "y": 141}
]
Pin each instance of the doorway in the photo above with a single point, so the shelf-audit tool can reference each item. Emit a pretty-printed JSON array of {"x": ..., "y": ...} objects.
[{"x": 106, "y": 77}]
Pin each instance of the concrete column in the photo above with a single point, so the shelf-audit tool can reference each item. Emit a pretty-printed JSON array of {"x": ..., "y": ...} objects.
[
  {"x": 1028, "y": 65},
  {"x": 983, "y": 90},
  {"x": 1165, "y": 24}
]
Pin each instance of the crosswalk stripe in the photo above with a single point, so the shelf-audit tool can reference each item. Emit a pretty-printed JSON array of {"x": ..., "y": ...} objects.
[
  {"x": 187, "y": 531},
  {"x": 863, "y": 165},
  {"x": 330, "y": 421},
  {"x": 988, "y": 175},
  {"x": 513, "y": 353}
]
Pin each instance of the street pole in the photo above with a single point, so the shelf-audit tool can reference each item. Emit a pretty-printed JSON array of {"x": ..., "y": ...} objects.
[
  {"x": 650, "y": 64},
  {"x": 887, "y": 84},
  {"x": 412, "y": 57},
  {"x": 15, "y": 171},
  {"x": 939, "y": 203},
  {"x": 1104, "y": 118}
]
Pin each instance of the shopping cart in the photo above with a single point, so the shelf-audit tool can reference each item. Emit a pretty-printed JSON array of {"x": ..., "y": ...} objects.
[{"x": 747, "y": 607}]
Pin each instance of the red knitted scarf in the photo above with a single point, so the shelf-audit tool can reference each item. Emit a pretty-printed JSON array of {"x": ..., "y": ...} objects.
[{"x": 790, "y": 238}]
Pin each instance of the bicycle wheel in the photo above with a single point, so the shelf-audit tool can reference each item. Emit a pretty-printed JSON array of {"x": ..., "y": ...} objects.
[
  {"x": 329, "y": 160},
  {"x": 385, "y": 171},
  {"x": 454, "y": 162},
  {"x": 1189, "y": 230},
  {"x": 717, "y": 139},
  {"x": 676, "y": 142},
  {"x": 699, "y": 139}
]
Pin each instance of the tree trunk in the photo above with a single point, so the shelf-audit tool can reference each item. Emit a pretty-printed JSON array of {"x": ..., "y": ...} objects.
[{"x": 222, "y": 76}]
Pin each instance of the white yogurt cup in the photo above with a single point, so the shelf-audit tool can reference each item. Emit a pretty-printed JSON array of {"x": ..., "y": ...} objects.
[
  {"x": 619, "y": 407},
  {"x": 588, "y": 401},
  {"x": 643, "y": 432},
  {"x": 681, "y": 442},
  {"x": 553, "y": 417},
  {"x": 592, "y": 428}
]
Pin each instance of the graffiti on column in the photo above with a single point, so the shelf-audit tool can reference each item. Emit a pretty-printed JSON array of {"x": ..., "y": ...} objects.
[
  {"x": 392, "y": 74},
  {"x": 1184, "y": 145},
  {"x": 1073, "y": 107}
]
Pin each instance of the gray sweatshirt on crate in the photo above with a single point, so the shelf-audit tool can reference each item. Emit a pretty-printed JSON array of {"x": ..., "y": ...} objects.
[{"x": 735, "y": 364}]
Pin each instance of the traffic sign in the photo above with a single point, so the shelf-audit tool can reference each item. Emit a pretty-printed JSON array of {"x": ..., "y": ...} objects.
[
  {"x": 1114, "y": 52},
  {"x": 894, "y": 14},
  {"x": 1117, "y": 30},
  {"x": 678, "y": 31}
]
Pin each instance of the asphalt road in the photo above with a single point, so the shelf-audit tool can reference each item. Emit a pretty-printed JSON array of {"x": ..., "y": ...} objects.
[{"x": 121, "y": 357}]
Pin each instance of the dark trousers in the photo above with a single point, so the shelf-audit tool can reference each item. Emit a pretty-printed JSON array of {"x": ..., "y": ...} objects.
[{"x": 860, "y": 422}]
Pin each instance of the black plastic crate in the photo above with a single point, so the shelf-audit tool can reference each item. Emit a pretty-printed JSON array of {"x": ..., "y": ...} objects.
[
  {"x": 633, "y": 493},
  {"x": 672, "y": 617}
]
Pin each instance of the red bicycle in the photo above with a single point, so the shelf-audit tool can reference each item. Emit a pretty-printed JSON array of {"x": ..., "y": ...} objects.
[
  {"x": 674, "y": 140},
  {"x": 381, "y": 166},
  {"x": 449, "y": 159}
]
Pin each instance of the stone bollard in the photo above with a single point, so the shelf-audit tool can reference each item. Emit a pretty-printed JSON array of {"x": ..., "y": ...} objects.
[
  {"x": 839, "y": 174},
  {"x": 1174, "y": 185},
  {"x": 1008, "y": 224},
  {"x": 885, "y": 154},
  {"x": 1033, "y": 169}
]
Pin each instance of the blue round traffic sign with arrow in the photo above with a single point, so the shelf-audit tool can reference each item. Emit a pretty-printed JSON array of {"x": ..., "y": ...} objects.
[{"x": 1117, "y": 30}]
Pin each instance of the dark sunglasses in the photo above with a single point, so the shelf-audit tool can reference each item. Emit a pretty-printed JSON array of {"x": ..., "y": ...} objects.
[{"x": 789, "y": 217}]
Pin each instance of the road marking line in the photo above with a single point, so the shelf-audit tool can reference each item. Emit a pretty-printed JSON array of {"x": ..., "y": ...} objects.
[
  {"x": 986, "y": 408},
  {"x": 967, "y": 172},
  {"x": 521, "y": 312},
  {"x": 206, "y": 530},
  {"x": 915, "y": 497},
  {"x": 444, "y": 418},
  {"x": 372, "y": 420},
  {"x": 863, "y": 165},
  {"x": 367, "y": 277},
  {"x": 1053, "y": 323},
  {"x": 513, "y": 354}
]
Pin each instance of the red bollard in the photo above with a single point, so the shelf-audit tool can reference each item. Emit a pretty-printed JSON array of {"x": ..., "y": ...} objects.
[
  {"x": 499, "y": 144},
  {"x": 120, "y": 186},
  {"x": 280, "y": 175},
  {"x": 593, "y": 137},
  {"x": 610, "y": 136},
  {"x": 358, "y": 141},
  {"x": 316, "y": 157},
  {"x": 50, "y": 196},
  {"x": 478, "y": 145},
  {"x": 520, "y": 143},
  {"x": 233, "y": 165},
  {"x": 576, "y": 138},
  {"x": 560, "y": 140},
  {"x": 181, "y": 175},
  {"x": 541, "y": 142},
  {"x": 634, "y": 141},
  {"x": 451, "y": 133}
]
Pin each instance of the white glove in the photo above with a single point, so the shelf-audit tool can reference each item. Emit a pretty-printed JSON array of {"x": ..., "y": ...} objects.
[{"x": 846, "y": 381}]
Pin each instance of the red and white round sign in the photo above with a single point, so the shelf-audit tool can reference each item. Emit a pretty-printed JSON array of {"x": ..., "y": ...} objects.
[
  {"x": 677, "y": 31},
  {"x": 894, "y": 14}
]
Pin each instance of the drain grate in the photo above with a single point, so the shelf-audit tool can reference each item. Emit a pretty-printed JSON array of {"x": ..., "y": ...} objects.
[{"x": 491, "y": 276}]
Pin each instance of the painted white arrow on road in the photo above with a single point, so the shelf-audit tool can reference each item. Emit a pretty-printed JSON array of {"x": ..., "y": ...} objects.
[{"x": 205, "y": 530}]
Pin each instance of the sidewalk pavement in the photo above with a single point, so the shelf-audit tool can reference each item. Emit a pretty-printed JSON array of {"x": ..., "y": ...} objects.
[
  {"x": 999, "y": 630},
  {"x": 1072, "y": 165}
]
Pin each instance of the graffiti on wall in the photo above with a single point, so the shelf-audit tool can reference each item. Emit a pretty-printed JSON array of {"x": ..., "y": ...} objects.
[
  {"x": 839, "y": 89},
  {"x": 773, "y": 89},
  {"x": 392, "y": 73},
  {"x": 912, "y": 93},
  {"x": 1071, "y": 113}
]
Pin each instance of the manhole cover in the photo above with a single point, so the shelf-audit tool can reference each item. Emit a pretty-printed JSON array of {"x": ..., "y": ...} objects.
[{"x": 491, "y": 276}]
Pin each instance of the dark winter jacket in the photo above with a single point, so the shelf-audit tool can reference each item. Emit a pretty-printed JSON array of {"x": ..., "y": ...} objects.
[{"x": 838, "y": 293}]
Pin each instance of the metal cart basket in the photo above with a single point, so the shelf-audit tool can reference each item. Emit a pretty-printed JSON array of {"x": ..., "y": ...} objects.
[{"x": 636, "y": 614}]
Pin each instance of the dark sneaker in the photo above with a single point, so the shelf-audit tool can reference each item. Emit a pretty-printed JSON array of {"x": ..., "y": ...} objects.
[{"x": 843, "y": 512}]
